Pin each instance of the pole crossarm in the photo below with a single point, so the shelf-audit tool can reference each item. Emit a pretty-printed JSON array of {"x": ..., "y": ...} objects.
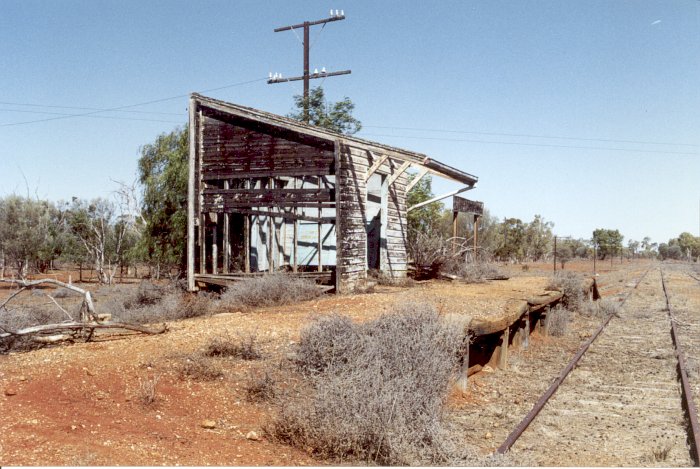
[
  {"x": 312, "y": 76},
  {"x": 310, "y": 23}
]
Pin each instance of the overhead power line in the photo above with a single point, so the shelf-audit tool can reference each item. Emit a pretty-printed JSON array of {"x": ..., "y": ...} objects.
[
  {"x": 553, "y": 137},
  {"x": 81, "y": 108},
  {"x": 579, "y": 147},
  {"x": 90, "y": 116},
  {"x": 128, "y": 106}
]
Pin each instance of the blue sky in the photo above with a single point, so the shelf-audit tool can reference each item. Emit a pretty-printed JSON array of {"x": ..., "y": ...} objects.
[{"x": 586, "y": 112}]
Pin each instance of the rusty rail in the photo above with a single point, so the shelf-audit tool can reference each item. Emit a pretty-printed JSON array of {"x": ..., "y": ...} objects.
[
  {"x": 522, "y": 426},
  {"x": 688, "y": 403}
]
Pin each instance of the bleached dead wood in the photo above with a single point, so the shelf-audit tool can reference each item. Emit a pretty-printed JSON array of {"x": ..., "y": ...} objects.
[
  {"x": 85, "y": 327},
  {"x": 89, "y": 305},
  {"x": 80, "y": 327}
]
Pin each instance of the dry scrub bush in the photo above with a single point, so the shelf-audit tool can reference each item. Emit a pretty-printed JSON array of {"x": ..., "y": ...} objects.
[
  {"x": 382, "y": 278},
  {"x": 477, "y": 272},
  {"x": 377, "y": 390},
  {"x": 600, "y": 309},
  {"x": 260, "y": 388},
  {"x": 558, "y": 320},
  {"x": 269, "y": 290},
  {"x": 243, "y": 346},
  {"x": 173, "y": 305},
  {"x": 571, "y": 285},
  {"x": 199, "y": 367}
]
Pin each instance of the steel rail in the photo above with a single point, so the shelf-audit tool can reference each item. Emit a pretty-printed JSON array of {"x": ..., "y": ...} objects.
[
  {"x": 688, "y": 403},
  {"x": 522, "y": 426}
]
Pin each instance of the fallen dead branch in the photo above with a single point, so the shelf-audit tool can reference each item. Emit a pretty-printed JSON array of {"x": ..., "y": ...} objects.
[
  {"x": 70, "y": 330},
  {"x": 88, "y": 310}
]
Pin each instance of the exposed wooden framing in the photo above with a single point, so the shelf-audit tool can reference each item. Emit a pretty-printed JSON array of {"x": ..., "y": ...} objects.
[
  {"x": 190, "y": 196},
  {"x": 234, "y": 143},
  {"x": 227, "y": 237},
  {"x": 416, "y": 179},
  {"x": 439, "y": 197},
  {"x": 376, "y": 165},
  {"x": 398, "y": 172}
]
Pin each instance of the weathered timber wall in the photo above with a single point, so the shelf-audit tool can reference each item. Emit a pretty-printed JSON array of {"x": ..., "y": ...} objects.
[{"x": 351, "y": 267}]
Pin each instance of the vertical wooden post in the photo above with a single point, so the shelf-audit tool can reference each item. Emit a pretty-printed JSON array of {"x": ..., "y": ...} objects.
[
  {"x": 454, "y": 232},
  {"x": 246, "y": 235},
  {"x": 544, "y": 322},
  {"x": 227, "y": 236},
  {"x": 503, "y": 350},
  {"x": 476, "y": 234},
  {"x": 295, "y": 236},
  {"x": 215, "y": 245},
  {"x": 246, "y": 243},
  {"x": 203, "y": 244},
  {"x": 526, "y": 332},
  {"x": 190, "y": 196},
  {"x": 271, "y": 234},
  {"x": 463, "y": 379},
  {"x": 283, "y": 247},
  {"x": 320, "y": 241}
]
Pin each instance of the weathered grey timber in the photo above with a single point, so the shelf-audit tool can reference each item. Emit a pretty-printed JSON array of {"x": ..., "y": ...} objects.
[{"x": 344, "y": 198}]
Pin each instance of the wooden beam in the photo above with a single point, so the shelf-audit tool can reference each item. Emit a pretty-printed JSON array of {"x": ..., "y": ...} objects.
[
  {"x": 376, "y": 165},
  {"x": 398, "y": 173},
  {"x": 416, "y": 179},
  {"x": 439, "y": 197},
  {"x": 190, "y": 196},
  {"x": 260, "y": 173}
]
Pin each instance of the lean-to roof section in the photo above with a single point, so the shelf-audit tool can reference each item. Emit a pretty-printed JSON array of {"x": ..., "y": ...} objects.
[{"x": 305, "y": 133}]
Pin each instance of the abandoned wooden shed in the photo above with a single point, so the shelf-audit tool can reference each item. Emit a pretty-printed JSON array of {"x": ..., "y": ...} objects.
[{"x": 268, "y": 193}]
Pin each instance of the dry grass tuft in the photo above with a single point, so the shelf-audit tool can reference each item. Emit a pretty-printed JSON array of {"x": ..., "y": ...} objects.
[
  {"x": 199, "y": 367},
  {"x": 243, "y": 346},
  {"x": 376, "y": 391},
  {"x": 147, "y": 395}
]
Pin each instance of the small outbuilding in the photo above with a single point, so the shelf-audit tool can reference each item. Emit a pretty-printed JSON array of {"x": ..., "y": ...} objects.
[{"x": 267, "y": 193}]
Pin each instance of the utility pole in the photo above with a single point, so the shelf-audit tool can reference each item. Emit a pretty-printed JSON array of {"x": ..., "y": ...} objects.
[{"x": 306, "y": 25}]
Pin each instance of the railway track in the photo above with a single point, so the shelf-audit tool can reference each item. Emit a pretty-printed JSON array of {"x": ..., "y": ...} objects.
[{"x": 621, "y": 401}]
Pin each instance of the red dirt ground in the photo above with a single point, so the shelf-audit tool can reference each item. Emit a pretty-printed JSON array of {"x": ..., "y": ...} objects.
[{"x": 78, "y": 404}]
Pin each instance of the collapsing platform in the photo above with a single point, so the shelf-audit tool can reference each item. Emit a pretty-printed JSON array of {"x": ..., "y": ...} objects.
[{"x": 493, "y": 336}]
